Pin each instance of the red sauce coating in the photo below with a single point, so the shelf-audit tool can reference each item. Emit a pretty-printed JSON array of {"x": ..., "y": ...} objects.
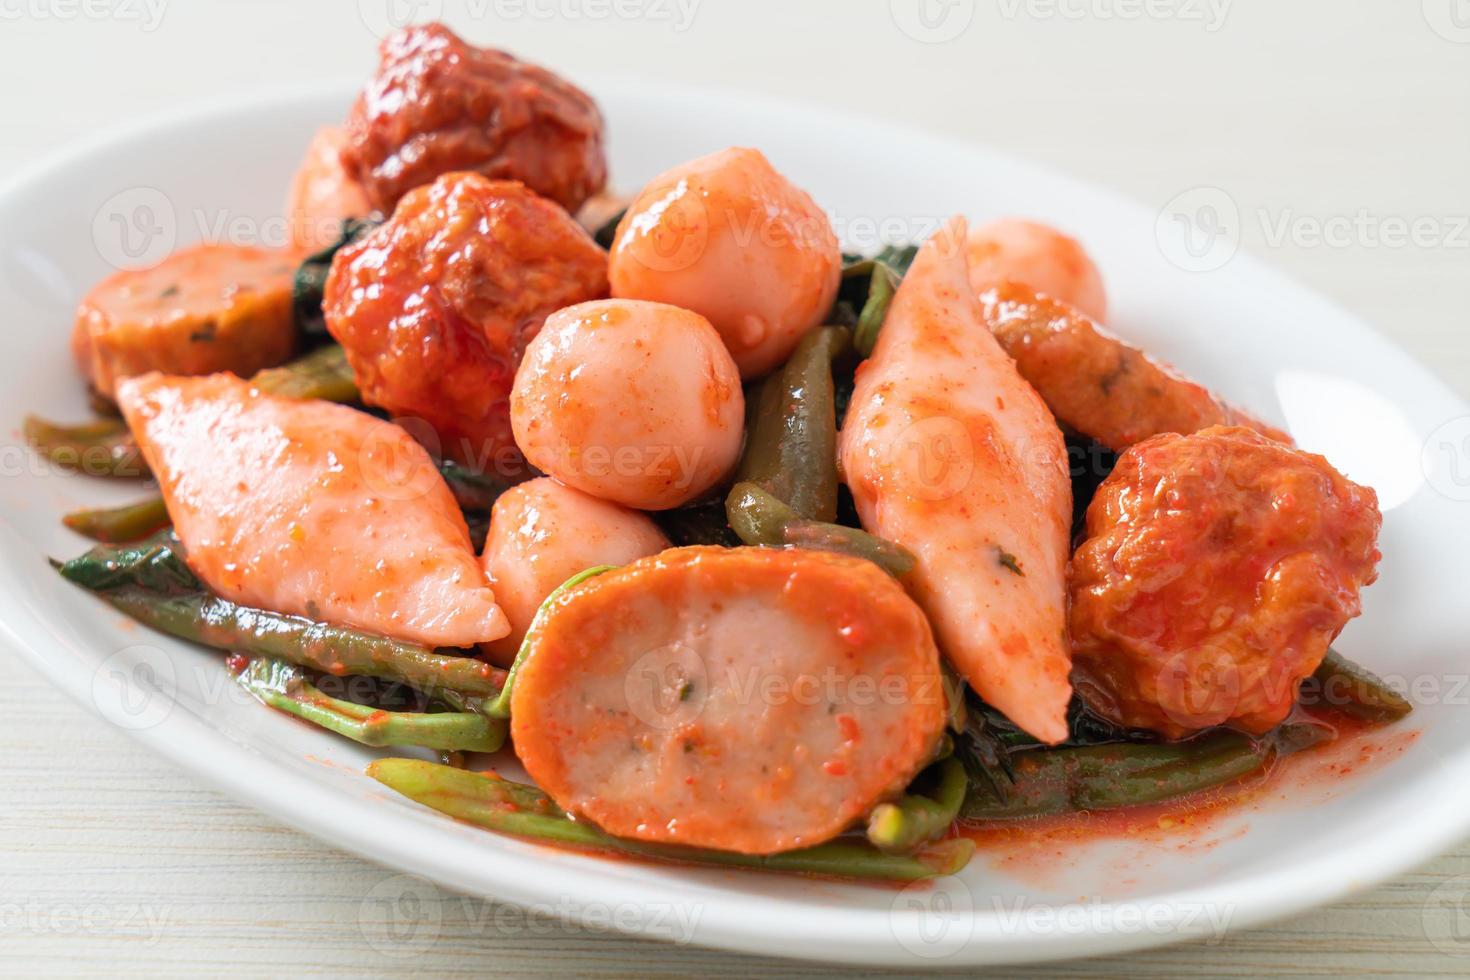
[
  {"x": 437, "y": 104},
  {"x": 436, "y": 306},
  {"x": 1217, "y": 569}
]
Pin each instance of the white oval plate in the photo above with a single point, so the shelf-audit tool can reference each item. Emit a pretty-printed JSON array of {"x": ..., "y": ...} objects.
[{"x": 1258, "y": 339}]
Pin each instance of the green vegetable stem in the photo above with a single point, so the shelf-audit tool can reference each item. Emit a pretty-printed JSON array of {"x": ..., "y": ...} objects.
[
  {"x": 759, "y": 518},
  {"x": 524, "y": 811},
  {"x": 286, "y": 688}
]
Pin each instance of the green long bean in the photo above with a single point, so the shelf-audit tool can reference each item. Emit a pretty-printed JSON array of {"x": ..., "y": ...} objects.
[
  {"x": 286, "y": 688},
  {"x": 524, "y": 811},
  {"x": 216, "y": 622},
  {"x": 112, "y": 525},
  {"x": 151, "y": 583},
  {"x": 761, "y": 519},
  {"x": 914, "y": 820},
  {"x": 104, "y": 447},
  {"x": 1342, "y": 684},
  {"x": 791, "y": 445}
]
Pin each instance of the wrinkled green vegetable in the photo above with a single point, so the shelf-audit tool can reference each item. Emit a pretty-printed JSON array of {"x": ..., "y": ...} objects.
[
  {"x": 760, "y": 519},
  {"x": 791, "y": 441},
  {"x": 914, "y": 820},
  {"x": 287, "y": 688},
  {"x": 524, "y": 811},
  {"x": 868, "y": 287},
  {"x": 1122, "y": 774},
  {"x": 155, "y": 564},
  {"x": 1339, "y": 683}
]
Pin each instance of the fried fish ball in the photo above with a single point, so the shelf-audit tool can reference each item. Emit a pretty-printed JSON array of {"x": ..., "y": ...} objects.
[
  {"x": 541, "y": 534},
  {"x": 733, "y": 240},
  {"x": 634, "y": 402},
  {"x": 1216, "y": 570}
]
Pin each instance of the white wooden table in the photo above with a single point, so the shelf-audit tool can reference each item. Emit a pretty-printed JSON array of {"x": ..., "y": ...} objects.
[{"x": 115, "y": 861}]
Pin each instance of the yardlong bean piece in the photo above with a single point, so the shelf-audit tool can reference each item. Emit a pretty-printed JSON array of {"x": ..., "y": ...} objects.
[
  {"x": 150, "y": 582},
  {"x": 914, "y": 820},
  {"x": 216, "y": 622},
  {"x": 286, "y": 688},
  {"x": 1339, "y": 683},
  {"x": 791, "y": 448},
  {"x": 759, "y": 518},
  {"x": 323, "y": 373},
  {"x": 524, "y": 811},
  {"x": 113, "y": 525},
  {"x": 104, "y": 447}
]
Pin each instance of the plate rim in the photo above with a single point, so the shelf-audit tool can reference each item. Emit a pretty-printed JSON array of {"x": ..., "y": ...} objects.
[{"x": 841, "y": 935}]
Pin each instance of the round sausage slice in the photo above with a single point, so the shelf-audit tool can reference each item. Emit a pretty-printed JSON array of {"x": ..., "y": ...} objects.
[
  {"x": 212, "y": 307},
  {"x": 749, "y": 699}
]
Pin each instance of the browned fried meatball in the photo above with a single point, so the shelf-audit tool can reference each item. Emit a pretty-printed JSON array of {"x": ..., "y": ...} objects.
[
  {"x": 436, "y": 306},
  {"x": 1217, "y": 568},
  {"x": 437, "y": 104}
]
